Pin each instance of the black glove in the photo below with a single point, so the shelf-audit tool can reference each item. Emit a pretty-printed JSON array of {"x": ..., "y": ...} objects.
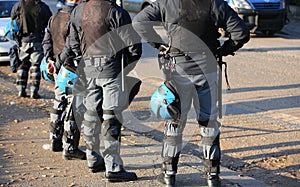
[{"x": 228, "y": 48}]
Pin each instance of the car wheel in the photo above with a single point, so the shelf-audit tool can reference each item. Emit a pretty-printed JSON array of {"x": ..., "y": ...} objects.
[{"x": 268, "y": 33}]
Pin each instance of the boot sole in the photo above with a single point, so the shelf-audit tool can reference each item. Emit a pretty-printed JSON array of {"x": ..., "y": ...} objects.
[
  {"x": 72, "y": 158},
  {"x": 119, "y": 180},
  {"x": 97, "y": 169},
  {"x": 57, "y": 150}
]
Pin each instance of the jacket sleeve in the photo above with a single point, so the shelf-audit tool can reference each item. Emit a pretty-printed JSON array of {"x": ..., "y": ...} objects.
[
  {"x": 47, "y": 42},
  {"x": 64, "y": 54},
  {"x": 121, "y": 21},
  {"x": 46, "y": 12},
  {"x": 144, "y": 21},
  {"x": 74, "y": 42},
  {"x": 15, "y": 12},
  {"x": 225, "y": 17}
]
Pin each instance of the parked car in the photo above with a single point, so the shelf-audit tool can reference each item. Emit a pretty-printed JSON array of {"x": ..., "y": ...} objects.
[
  {"x": 5, "y": 45},
  {"x": 267, "y": 16},
  {"x": 135, "y": 6}
]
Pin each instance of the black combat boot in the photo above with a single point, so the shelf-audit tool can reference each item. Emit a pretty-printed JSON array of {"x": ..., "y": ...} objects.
[
  {"x": 120, "y": 176},
  {"x": 213, "y": 181},
  {"x": 22, "y": 93},
  {"x": 169, "y": 170},
  {"x": 56, "y": 145},
  {"x": 212, "y": 168},
  {"x": 34, "y": 95},
  {"x": 75, "y": 154},
  {"x": 56, "y": 131},
  {"x": 98, "y": 166},
  {"x": 166, "y": 179}
]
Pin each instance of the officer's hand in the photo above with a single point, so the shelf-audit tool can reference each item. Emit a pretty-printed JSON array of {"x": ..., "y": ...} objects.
[
  {"x": 51, "y": 67},
  {"x": 163, "y": 49},
  {"x": 228, "y": 48}
]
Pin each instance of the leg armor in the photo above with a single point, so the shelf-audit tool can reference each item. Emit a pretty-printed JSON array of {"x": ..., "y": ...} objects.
[
  {"x": 71, "y": 140},
  {"x": 56, "y": 132},
  {"x": 23, "y": 70},
  {"x": 71, "y": 131},
  {"x": 92, "y": 130},
  {"x": 171, "y": 147},
  {"x": 210, "y": 133},
  {"x": 111, "y": 153},
  {"x": 22, "y": 76},
  {"x": 56, "y": 125},
  {"x": 71, "y": 135},
  {"x": 35, "y": 58},
  {"x": 35, "y": 77}
]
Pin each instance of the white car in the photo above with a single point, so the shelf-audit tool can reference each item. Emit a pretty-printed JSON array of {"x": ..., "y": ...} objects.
[
  {"x": 135, "y": 5},
  {"x": 5, "y": 10}
]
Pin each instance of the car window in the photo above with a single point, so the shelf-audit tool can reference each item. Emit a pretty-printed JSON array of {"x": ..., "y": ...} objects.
[{"x": 5, "y": 8}]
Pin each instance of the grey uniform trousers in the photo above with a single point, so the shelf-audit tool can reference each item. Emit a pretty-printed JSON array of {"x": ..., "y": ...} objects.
[
  {"x": 196, "y": 90},
  {"x": 62, "y": 116},
  {"x": 31, "y": 55},
  {"x": 106, "y": 94}
]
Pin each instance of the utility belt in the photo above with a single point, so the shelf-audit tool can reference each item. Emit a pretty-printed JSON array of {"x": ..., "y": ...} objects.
[
  {"x": 96, "y": 61},
  {"x": 167, "y": 62},
  {"x": 98, "y": 66},
  {"x": 176, "y": 58}
]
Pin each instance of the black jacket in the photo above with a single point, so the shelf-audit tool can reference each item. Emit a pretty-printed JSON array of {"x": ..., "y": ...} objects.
[
  {"x": 121, "y": 37},
  {"x": 166, "y": 11},
  {"x": 41, "y": 16},
  {"x": 48, "y": 42}
]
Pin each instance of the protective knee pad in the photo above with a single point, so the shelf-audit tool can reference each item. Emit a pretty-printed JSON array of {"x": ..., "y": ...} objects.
[
  {"x": 22, "y": 77},
  {"x": 22, "y": 74},
  {"x": 71, "y": 134},
  {"x": 111, "y": 135},
  {"x": 92, "y": 132},
  {"x": 212, "y": 167},
  {"x": 169, "y": 164},
  {"x": 111, "y": 129},
  {"x": 172, "y": 140},
  {"x": 211, "y": 143},
  {"x": 35, "y": 77},
  {"x": 93, "y": 115},
  {"x": 55, "y": 115},
  {"x": 35, "y": 72},
  {"x": 56, "y": 130}
]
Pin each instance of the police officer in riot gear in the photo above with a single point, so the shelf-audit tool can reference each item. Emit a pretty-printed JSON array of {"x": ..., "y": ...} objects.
[
  {"x": 32, "y": 17},
  {"x": 192, "y": 27},
  {"x": 100, "y": 32},
  {"x": 64, "y": 132}
]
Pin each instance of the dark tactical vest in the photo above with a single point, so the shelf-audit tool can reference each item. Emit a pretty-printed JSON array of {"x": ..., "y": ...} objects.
[
  {"x": 194, "y": 21},
  {"x": 95, "y": 25},
  {"x": 30, "y": 22},
  {"x": 59, "y": 30}
]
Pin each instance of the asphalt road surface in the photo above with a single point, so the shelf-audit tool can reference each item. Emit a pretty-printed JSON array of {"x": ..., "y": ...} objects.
[{"x": 260, "y": 128}]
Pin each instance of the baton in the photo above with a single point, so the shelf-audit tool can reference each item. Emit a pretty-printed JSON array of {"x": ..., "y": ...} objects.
[
  {"x": 122, "y": 61},
  {"x": 220, "y": 62}
]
